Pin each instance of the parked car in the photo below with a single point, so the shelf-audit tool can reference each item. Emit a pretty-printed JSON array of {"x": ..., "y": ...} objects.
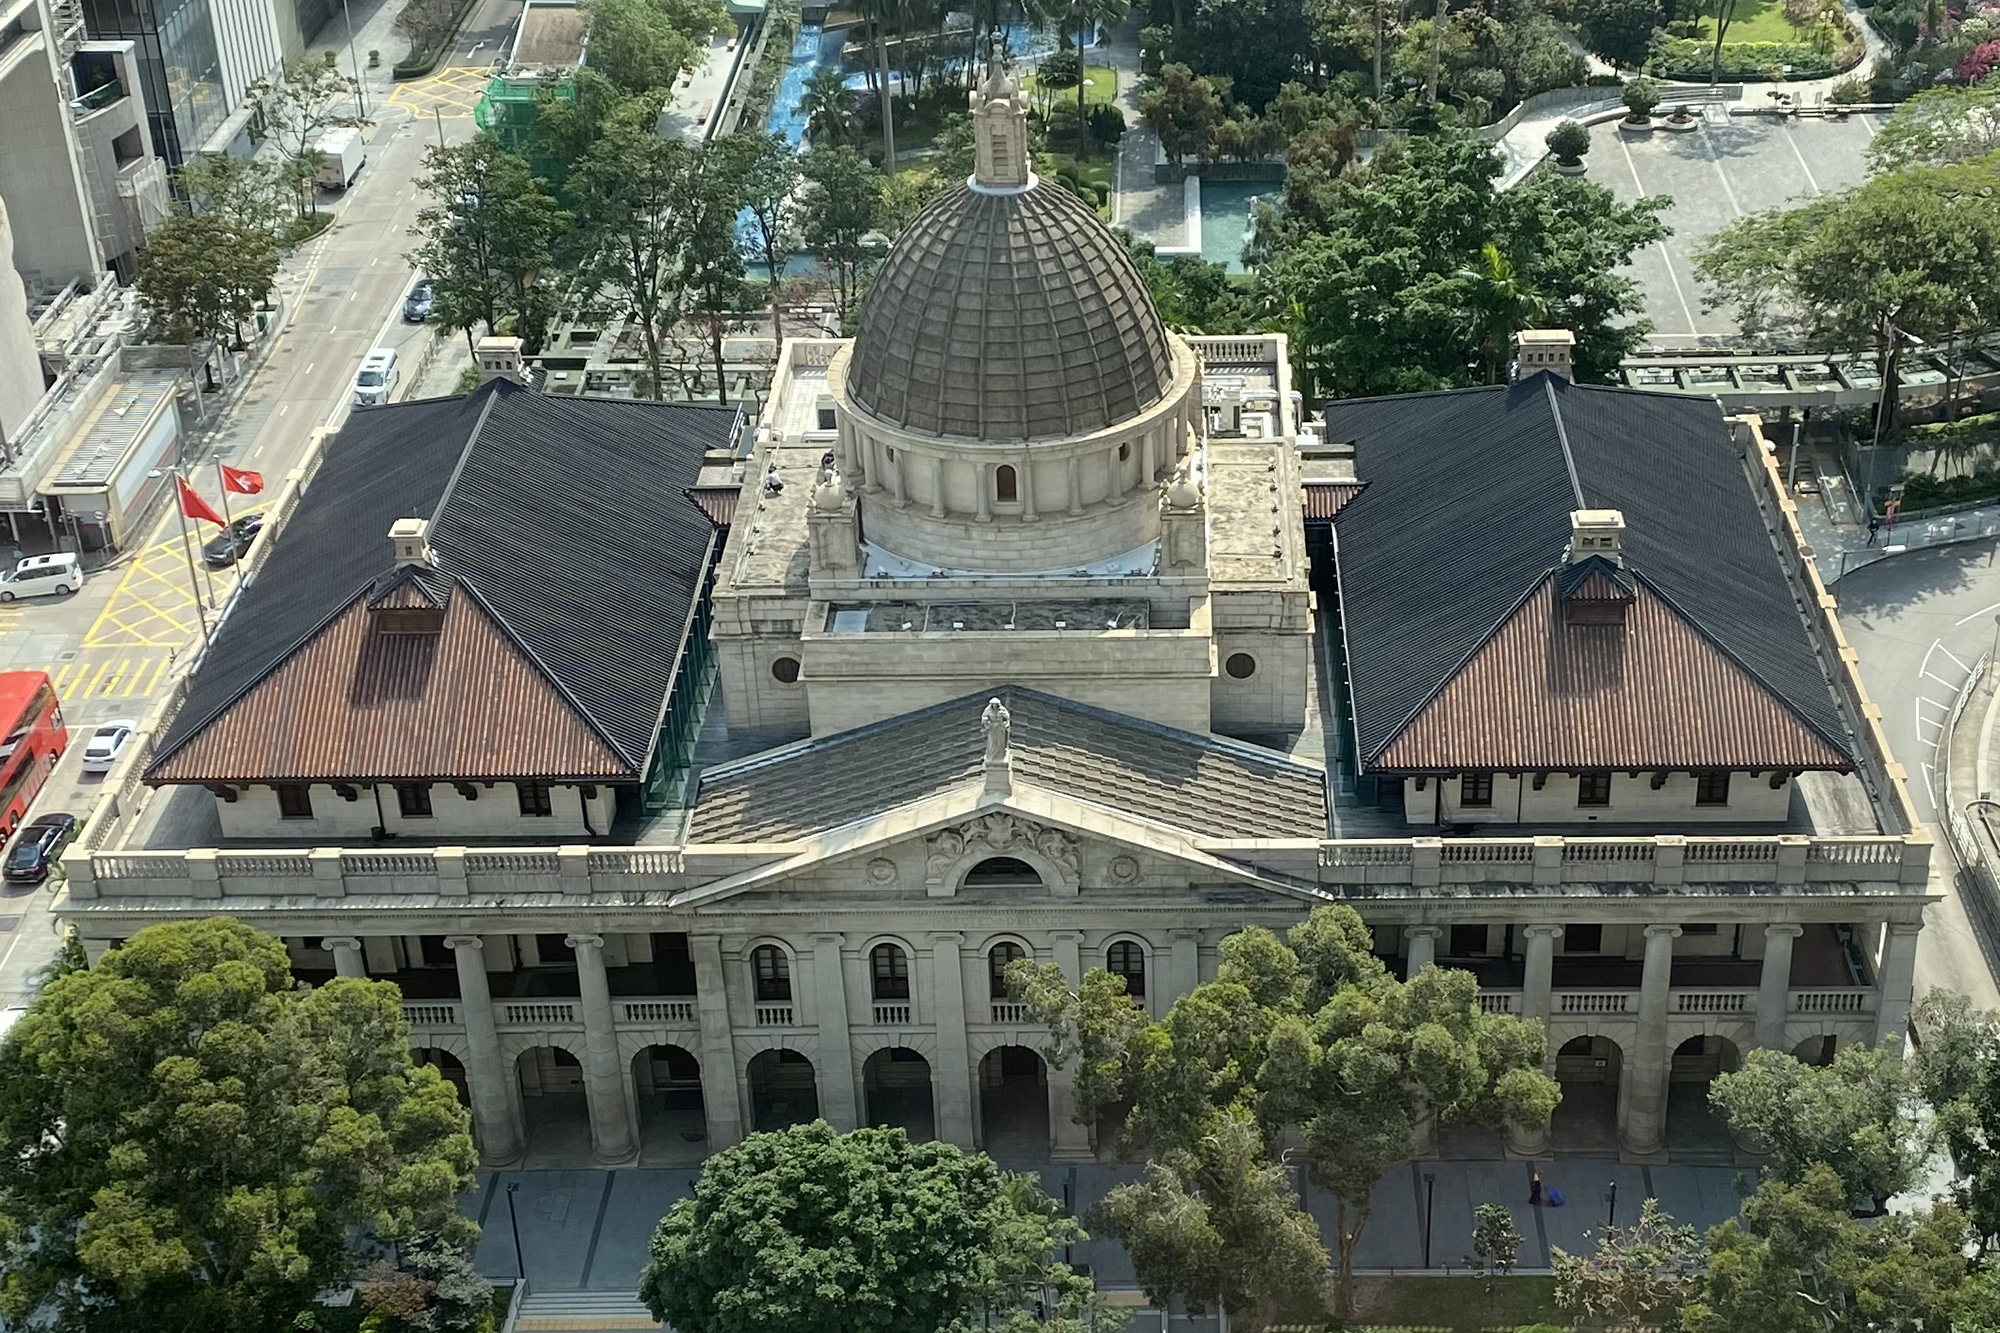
[
  {"x": 36, "y": 848},
  {"x": 417, "y": 305},
  {"x": 107, "y": 743},
  {"x": 377, "y": 377},
  {"x": 43, "y": 576},
  {"x": 226, "y": 548}
]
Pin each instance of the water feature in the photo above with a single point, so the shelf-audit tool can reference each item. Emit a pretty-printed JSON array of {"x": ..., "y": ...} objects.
[
  {"x": 813, "y": 49},
  {"x": 1225, "y": 219}
]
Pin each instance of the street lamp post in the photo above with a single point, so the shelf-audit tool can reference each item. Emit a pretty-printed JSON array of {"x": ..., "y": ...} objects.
[
  {"x": 360, "y": 93},
  {"x": 1611, "y": 1199},
  {"x": 514, "y": 1220},
  {"x": 1430, "y": 1209}
]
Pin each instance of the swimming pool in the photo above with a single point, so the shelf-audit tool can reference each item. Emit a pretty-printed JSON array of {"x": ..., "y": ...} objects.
[{"x": 1225, "y": 219}]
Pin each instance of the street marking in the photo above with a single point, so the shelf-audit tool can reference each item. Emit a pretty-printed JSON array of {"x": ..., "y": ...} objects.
[
  {"x": 1686, "y": 311},
  {"x": 1982, "y": 611},
  {"x": 281, "y": 410},
  {"x": 1715, "y": 156},
  {"x": 1789, "y": 137},
  {"x": 1948, "y": 653}
]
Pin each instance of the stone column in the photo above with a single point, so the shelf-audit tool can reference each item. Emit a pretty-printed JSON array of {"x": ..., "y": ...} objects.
[
  {"x": 1068, "y": 1141},
  {"x": 985, "y": 482},
  {"x": 1149, "y": 467},
  {"x": 1774, "y": 985},
  {"x": 1075, "y": 484},
  {"x": 1538, "y": 984},
  {"x": 1186, "y": 974},
  {"x": 720, "y": 1099},
  {"x": 953, "y": 1076},
  {"x": 1419, "y": 948},
  {"x": 1644, "y": 1133},
  {"x": 937, "y": 488},
  {"x": 1114, "y": 479},
  {"x": 501, "y": 1140},
  {"x": 896, "y": 483},
  {"x": 347, "y": 958},
  {"x": 835, "y": 1066},
  {"x": 1897, "y": 977},
  {"x": 612, "y": 1139},
  {"x": 1025, "y": 472}
]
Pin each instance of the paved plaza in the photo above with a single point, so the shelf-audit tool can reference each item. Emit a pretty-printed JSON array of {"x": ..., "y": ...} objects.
[
  {"x": 1730, "y": 167},
  {"x": 588, "y": 1230}
]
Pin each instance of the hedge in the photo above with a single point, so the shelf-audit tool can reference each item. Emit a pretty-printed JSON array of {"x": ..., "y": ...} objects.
[
  {"x": 417, "y": 64},
  {"x": 1687, "y": 60}
]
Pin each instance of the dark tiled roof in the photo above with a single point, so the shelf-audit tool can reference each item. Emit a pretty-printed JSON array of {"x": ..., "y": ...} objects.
[
  {"x": 565, "y": 517},
  {"x": 1467, "y": 510},
  {"x": 1207, "y": 785},
  {"x": 1645, "y": 691}
]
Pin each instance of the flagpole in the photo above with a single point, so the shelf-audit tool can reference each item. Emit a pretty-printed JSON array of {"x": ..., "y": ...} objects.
[
  {"x": 195, "y": 588},
  {"x": 228, "y": 524}
]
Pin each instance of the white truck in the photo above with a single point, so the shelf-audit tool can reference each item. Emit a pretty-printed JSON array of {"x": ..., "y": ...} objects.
[{"x": 341, "y": 155}]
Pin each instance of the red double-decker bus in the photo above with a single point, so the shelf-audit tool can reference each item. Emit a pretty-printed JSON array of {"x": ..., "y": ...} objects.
[{"x": 36, "y": 739}]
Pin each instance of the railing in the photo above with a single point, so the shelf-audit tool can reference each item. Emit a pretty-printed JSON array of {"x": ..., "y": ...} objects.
[
  {"x": 888, "y": 1015},
  {"x": 1853, "y": 852},
  {"x": 658, "y": 1011},
  {"x": 1714, "y": 1001},
  {"x": 1858, "y": 1001},
  {"x": 1489, "y": 851},
  {"x": 266, "y": 865},
  {"x": 419, "y": 1015},
  {"x": 141, "y": 865},
  {"x": 538, "y": 1014},
  {"x": 1500, "y": 1002},
  {"x": 1598, "y": 851},
  {"x": 97, "y": 99},
  {"x": 639, "y": 862},
  {"x": 1731, "y": 851},
  {"x": 1383, "y": 852},
  {"x": 774, "y": 1015},
  {"x": 511, "y": 863},
  {"x": 387, "y": 863},
  {"x": 1596, "y": 1002},
  {"x": 1010, "y": 1012}
]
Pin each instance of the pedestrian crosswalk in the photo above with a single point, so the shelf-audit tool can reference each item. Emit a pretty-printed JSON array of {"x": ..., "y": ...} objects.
[{"x": 108, "y": 676}]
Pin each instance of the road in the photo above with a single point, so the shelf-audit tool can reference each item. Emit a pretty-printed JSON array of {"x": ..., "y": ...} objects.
[{"x": 1918, "y": 623}]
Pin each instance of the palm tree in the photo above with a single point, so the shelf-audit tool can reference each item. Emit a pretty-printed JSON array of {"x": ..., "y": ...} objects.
[
  {"x": 881, "y": 14},
  {"x": 1499, "y": 304},
  {"x": 1085, "y": 15},
  {"x": 828, "y": 107}
]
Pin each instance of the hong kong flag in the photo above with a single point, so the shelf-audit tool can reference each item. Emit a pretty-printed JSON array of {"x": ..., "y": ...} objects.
[
  {"x": 239, "y": 482},
  {"x": 194, "y": 506}
]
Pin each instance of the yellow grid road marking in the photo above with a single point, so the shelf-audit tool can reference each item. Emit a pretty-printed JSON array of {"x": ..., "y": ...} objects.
[
  {"x": 451, "y": 93},
  {"x": 153, "y": 607},
  {"x": 113, "y": 676}
]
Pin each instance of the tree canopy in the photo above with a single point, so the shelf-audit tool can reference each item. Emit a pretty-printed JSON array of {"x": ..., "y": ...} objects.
[
  {"x": 1854, "y": 1117},
  {"x": 488, "y": 239},
  {"x": 191, "y": 1139},
  {"x": 809, "y": 1231}
]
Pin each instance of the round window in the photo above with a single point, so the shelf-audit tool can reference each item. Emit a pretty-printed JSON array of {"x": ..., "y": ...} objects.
[
  {"x": 786, "y": 670},
  {"x": 1241, "y": 666}
]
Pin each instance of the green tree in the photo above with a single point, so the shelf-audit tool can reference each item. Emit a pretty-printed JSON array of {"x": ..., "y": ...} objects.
[
  {"x": 1085, "y": 17},
  {"x": 487, "y": 240},
  {"x": 251, "y": 191},
  {"x": 838, "y": 209},
  {"x": 193, "y": 1139},
  {"x": 203, "y": 274},
  {"x": 1184, "y": 110},
  {"x": 708, "y": 264},
  {"x": 1940, "y": 126},
  {"x": 827, "y": 104},
  {"x": 1621, "y": 31},
  {"x": 1854, "y": 1116},
  {"x": 1569, "y": 141},
  {"x": 809, "y": 1231},
  {"x": 1721, "y": 13},
  {"x": 1496, "y": 1243},
  {"x": 1638, "y": 1276},
  {"x": 308, "y": 97},
  {"x": 1956, "y": 1069},
  {"x": 1798, "y": 1262},
  {"x": 641, "y": 46},
  {"x": 769, "y": 172},
  {"x": 628, "y": 189},
  {"x": 1215, "y": 1223},
  {"x": 1499, "y": 303}
]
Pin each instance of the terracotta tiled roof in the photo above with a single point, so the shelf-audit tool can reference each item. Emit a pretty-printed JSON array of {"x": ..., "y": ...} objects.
[
  {"x": 1324, "y": 499},
  {"x": 1647, "y": 691},
  {"x": 718, "y": 502}
]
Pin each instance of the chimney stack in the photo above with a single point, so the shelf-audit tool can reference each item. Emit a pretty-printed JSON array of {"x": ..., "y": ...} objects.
[
  {"x": 411, "y": 538},
  {"x": 1553, "y": 350},
  {"x": 1596, "y": 532},
  {"x": 500, "y": 358}
]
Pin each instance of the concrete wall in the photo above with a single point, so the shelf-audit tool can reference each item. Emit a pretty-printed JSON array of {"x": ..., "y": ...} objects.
[
  {"x": 495, "y": 813},
  {"x": 20, "y": 367},
  {"x": 1633, "y": 801},
  {"x": 41, "y": 183}
]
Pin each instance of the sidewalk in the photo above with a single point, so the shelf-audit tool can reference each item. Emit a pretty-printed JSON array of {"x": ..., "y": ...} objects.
[
  {"x": 1973, "y": 830},
  {"x": 1841, "y": 547}
]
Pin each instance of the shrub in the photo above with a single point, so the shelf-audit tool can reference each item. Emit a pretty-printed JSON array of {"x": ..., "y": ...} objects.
[
  {"x": 1107, "y": 123},
  {"x": 1641, "y": 96},
  {"x": 1689, "y": 60},
  {"x": 1569, "y": 141}
]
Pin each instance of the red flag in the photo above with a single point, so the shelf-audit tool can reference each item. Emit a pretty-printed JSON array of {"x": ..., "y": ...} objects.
[
  {"x": 239, "y": 482},
  {"x": 194, "y": 506}
]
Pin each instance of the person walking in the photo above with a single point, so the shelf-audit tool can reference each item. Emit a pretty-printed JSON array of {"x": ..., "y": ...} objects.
[
  {"x": 1874, "y": 527},
  {"x": 1535, "y": 1190}
]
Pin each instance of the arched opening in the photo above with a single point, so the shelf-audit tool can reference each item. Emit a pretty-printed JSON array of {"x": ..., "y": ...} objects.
[
  {"x": 450, "y": 1068},
  {"x": 771, "y": 970},
  {"x": 889, "y": 980},
  {"x": 1128, "y": 960},
  {"x": 896, "y": 1084},
  {"x": 1586, "y": 1121},
  {"x": 783, "y": 1091},
  {"x": 554, "y": 1107},
  {"x": 1006, "y": 486},
  {"x": 1014, "y": 1104},
  {"x": 673, "y": 1119},
  {"x": 1002, "y": 872},
  {"x": 1695, "y": 1133},
  {"x": 997, "y": 959},
  {"x": 1817, "y": 1050}
]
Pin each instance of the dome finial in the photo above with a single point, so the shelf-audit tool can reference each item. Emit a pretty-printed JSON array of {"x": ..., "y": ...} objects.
[{"x": 1000, "y": 129}]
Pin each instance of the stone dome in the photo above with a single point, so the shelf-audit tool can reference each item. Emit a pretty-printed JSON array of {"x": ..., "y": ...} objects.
[{"x": 1009, "y": 315}]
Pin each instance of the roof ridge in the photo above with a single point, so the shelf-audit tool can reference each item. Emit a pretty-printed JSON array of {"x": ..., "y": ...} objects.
[
  {"x": 1751, "y": 673},
  {"x": 1418, "y": 709},
  {"x": 458, "y": 469},
  {"x": 1562, "y": 436}
]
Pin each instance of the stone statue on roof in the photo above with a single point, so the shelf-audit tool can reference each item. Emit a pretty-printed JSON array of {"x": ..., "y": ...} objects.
[{"x": 997, "y": 723}]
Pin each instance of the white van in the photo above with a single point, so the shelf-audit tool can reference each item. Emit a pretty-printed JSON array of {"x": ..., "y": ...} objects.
[
  {"x": 377, "y": 377},
  {"x": 41, "y": 576}
]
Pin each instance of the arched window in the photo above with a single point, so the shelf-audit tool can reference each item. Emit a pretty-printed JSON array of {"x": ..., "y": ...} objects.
[
  {"x": 1002, "y": 872},
  {"x": 891, "y": 969},
  {"x": 773, "y": 971},
  {"x": 1126, "y": 959},
  {"x": 997, "y": 959},
  {"x": 1006, "y": 488}
]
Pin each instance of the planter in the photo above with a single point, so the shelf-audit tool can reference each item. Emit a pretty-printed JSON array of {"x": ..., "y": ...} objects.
[
  {"x": 1643, "y": 125},
  {"x": 1681, "y": 124},
  {"x": 1576, "y": 168}
]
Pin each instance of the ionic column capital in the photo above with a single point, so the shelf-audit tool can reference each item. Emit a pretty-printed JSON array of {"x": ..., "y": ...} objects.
[
  {"x": 1783, "y": 929},
  {"x": 464, "y": 942},
  {"x": 1543, "y": 932},
  {"x": 584, "y": 941}
]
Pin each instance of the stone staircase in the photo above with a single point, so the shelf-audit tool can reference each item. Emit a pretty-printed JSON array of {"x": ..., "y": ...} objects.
[{"x": 581, "y": 1312}]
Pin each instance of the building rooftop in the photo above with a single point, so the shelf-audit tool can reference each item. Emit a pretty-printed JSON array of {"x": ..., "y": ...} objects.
[
  {"x": 566, "y": 556},
  {"x": 1465, "y": 518}
]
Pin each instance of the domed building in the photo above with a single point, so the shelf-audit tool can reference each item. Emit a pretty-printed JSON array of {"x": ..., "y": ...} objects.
[{"x": 1017, "y": 474}]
